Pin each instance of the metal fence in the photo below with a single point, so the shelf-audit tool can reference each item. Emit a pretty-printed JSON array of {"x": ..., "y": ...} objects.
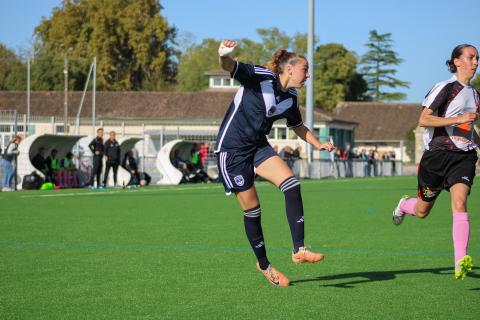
[{"x": 156, "y": 133}]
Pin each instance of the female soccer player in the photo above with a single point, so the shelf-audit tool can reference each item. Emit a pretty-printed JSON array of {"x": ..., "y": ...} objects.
[
  {"x": 266, "y": 94},
  {"x": 450, "y": 111}
]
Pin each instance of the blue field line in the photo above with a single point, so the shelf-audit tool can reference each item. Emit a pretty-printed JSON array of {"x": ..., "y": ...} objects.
[{"x": 194, "y": 248}]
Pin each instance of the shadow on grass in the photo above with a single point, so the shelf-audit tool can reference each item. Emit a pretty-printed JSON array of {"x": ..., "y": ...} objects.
[{"x": 352, "y": 279}]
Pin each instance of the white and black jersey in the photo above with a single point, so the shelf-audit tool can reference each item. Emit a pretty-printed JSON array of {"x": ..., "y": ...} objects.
[
  {"x": 447, "y": 99},
  {"x": 257, "y": 104}
]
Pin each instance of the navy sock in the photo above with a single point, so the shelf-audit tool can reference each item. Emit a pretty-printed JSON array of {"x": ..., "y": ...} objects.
[
  {"x": 294, "y": 209},
  {"x": 253, "y": 228}
]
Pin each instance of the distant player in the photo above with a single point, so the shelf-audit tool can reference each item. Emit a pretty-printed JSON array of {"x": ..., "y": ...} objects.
[
  {"x": 242, "y": 150},
  {"x": 450, "y": 111}
]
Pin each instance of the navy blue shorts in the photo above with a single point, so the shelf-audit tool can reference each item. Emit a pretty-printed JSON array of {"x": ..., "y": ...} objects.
[{"x": 237, "y": 169}]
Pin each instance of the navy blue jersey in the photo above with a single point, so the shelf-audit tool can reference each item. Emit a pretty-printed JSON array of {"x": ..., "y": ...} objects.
[{"x": 257, "y": 104}]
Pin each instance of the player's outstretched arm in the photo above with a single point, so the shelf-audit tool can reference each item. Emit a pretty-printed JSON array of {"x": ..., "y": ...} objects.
[
  {"x": 305, "y": 134},
  {"x": 226, "y": 62}
]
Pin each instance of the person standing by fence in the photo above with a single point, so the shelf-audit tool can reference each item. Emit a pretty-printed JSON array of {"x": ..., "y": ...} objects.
[
  {"x": 98, "y": 150},
  {"x": 9, "y": 162},
  {"x": 112, "y": 157}
]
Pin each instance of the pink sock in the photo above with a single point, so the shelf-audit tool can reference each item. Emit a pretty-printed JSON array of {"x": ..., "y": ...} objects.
[
  {"x": 408, "y": 206},
  {"x": 460, "y": 234}
]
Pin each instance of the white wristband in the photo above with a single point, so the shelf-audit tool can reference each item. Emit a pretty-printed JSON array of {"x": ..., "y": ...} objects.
[{"x": 223, "y": 50}]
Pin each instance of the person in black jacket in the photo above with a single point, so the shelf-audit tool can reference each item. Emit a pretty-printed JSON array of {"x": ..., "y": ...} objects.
[
  {"x": 112, "y": 157},
  {"x": 130, "y": 164},
  {"x": 39, "y": 161},
  {"x": 98, "y": 150}
]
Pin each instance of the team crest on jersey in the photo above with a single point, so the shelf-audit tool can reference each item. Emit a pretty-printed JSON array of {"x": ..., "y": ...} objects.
[{"x": 239, "y": 180}]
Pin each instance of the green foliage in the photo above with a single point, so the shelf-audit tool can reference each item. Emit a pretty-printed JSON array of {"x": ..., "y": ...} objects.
[
  {"x": 11, "y": 70},
  {"x": 198, "y": 59},
  {"x": 476, "y": 82},
  {"x": 377, "y": 68},
  {"x": 195, "y": 62},
  {"x": 334, "y": 69},
  {"x": 335, "y": 75},
  {"x": 131, "y": 40},
  {"x": 272, "y": 40}
]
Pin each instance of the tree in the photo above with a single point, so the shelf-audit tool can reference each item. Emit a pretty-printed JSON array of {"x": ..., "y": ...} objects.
[
  {"x": 198, "y": 59},
  {"x": 195, "y": 62},
  {"x": 336, "y": 78},
  {"x": 377, "y": 68},
  {"x": 131, "y": 40},
  {"x": 11, "y": 70},
  {"x": 335, "y": 66},
  {"x": 476, "y": 82}
]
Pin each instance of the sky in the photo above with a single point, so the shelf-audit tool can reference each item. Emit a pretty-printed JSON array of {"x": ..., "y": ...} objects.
[{"x": 424, "y": 31}]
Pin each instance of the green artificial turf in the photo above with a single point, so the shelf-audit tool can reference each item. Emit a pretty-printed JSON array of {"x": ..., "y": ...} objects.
[{"x": 181, "y": 253}]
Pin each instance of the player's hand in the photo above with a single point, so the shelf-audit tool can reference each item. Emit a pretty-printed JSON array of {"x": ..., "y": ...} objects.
[
  {"x": 467, "y": 117},
  {"x": 327, "y": 146},
  {"x": 226, "y": 47},
  {"x": 97, "y": 152}
]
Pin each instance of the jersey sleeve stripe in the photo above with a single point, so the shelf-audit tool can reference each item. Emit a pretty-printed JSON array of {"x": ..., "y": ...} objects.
[
  {"x": 263, "y": 70},
  {"x": 297, "y": 125},
  {"x": 235, "y": 70}
]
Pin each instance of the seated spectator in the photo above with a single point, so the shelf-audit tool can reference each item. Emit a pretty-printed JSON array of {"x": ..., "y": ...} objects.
[
  {"x": 145, "y": 179},
  {"x": 296, "y": 153},
  {"x": 68, "y": 172},
  {"x": 39, "y": 162},
  {"x": 181, "y": 164},
  {"x": 52, "y": 166},
  {"x": 196, "y": 165},
  {"x": 130, "y": 164}
]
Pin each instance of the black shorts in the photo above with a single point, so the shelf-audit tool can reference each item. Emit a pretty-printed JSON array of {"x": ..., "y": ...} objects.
[
  {"x": 440, "y": 170},
  {"x": 237, "y": 169}
]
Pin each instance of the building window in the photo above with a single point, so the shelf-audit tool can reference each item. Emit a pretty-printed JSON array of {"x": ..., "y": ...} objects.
[
  {"x": 271, "y": 135},
  {"x": 59, "y": 129},
  {"x": 282, "y": 133},
  {"x": 226, "y": 82},
  {"x": 223, "y": 82}
]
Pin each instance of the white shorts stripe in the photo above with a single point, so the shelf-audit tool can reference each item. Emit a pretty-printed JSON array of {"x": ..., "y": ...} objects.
[{"x": 223, "y": 164}]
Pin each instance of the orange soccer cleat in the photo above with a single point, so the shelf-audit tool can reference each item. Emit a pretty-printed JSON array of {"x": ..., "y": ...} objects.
[
  {"x": 274, "y": 276},
  {"x": 305, "y": 255}
]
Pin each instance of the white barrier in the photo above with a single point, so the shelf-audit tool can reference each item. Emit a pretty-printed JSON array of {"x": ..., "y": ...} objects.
[
  {"x": 170, "y": 174},
  {"x": 29, "y": 147}
]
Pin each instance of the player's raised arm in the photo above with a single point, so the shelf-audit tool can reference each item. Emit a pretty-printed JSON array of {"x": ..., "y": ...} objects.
[{"x": 226, "y": 62}]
